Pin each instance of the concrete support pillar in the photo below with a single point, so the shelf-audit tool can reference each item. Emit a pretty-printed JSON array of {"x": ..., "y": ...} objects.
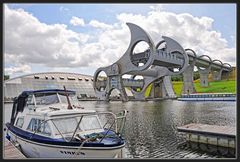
[
  {"x": 116, "y": 82},
  {"x": 225, "y": 75},
  {"x": 139, "y": 96},
  {"x": 167, "y": 84},
  {"x": 217, "y": 75},
  {"x": 160, "y": 89},
  {"x": 188, "y": 85},
  {"x": 205, "y": 72},
  {"x": 204, "y": 77},
  {"x": 157, "y": 89}
]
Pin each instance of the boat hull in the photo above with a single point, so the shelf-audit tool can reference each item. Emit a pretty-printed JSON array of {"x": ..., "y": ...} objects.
[{"x": 40, "y": 150}]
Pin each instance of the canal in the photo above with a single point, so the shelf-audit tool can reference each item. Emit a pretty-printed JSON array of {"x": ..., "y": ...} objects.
[{"x": 150, "y": 129}]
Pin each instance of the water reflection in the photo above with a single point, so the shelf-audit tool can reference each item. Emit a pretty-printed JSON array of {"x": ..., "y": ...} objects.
[{"x": 150, "y": 129}]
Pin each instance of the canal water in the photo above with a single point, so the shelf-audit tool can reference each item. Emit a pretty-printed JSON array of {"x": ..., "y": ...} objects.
[{"x": 150, "y": 129}]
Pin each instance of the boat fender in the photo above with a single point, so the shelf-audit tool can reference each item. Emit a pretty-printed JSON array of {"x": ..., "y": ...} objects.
[
  {"x": 8, "y": 137},
  {"x": 18, "y": 146}
]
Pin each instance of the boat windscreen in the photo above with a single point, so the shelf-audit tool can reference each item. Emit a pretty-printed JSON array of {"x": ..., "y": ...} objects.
[
  {"x": 90, "y": 123},
  {"x": 68, "y": 125},
  {"x": 46, "y": 99},
  {"x": 73, "y": 99}
]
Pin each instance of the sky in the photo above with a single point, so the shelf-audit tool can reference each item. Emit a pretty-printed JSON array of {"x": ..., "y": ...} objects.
[{"x": 80, "y": 38}]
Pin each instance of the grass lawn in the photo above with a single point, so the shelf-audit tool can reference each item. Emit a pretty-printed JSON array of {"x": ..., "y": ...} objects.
[
  {"x": 222, "y": 86},
  {"x": 177, "y": 87}
]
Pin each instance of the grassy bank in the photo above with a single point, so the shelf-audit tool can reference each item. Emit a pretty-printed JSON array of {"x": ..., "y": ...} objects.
[{"x": 222, "y": 86}]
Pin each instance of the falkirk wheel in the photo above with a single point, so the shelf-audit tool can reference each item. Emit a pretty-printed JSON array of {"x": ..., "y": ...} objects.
[{"x": 155, "y": 64}]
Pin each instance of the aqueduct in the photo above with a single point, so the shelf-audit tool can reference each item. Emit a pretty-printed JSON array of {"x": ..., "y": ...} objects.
[{"x": 155, "y": 65}]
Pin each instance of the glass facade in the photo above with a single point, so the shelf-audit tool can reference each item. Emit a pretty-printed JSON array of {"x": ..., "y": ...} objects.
[{"x": 82, "y": 84}]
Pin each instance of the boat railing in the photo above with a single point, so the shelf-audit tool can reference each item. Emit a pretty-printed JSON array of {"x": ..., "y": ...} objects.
[
  {"x": 120, "y": 117},
  {"x": 107, "y": 131}
]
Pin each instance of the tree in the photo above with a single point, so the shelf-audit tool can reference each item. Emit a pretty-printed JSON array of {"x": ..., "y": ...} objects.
[
  {"x": 6, "y": 77},
  {"x": 196, "y": 75},
  {"x": 177, "y": 78}
]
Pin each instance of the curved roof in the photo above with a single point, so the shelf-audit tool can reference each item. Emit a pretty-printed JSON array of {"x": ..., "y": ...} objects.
[{"x": 47, "y": 73}]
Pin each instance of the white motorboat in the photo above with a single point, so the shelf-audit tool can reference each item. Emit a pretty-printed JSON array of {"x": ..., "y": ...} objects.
[{"x": 49, "y": 124}]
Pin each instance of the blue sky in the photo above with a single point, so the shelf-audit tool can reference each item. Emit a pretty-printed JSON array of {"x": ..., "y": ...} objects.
[{"x": 223, "y": 15}]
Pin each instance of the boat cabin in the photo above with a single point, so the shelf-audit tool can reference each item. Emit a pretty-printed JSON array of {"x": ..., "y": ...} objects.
[{"x": 45, "y": 113}]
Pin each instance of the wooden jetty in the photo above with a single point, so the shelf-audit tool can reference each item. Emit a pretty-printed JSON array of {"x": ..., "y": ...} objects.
[
  {"x": 11, "y": 152},
  {"x": 210, "y": 134}
]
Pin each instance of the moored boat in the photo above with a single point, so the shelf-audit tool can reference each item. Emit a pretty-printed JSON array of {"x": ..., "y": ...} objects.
[{"x": 51, "y": 124}]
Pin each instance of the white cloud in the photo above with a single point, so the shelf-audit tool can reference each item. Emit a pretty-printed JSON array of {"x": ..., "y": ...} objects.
[
  {"x": 100, "y": 25},
  {"x": 27, "y": 40},
  {"x": 75, "y": 21},
  {"x": 157, "y": 7},
  {"x": 18, "y": 69},
  {"x": 63, "y": 9}
]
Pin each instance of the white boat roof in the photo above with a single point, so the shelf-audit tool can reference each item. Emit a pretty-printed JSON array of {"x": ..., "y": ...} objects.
[
  {"x": 50, "y": 112},
  {"x": 69, "y": 112}
]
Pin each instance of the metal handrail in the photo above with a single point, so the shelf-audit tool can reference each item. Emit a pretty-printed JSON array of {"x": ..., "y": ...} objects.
[
  {"x": 76, "y": 128},
  {"x": 121, "y": 117},
  {"x": 115, "y": 119},
  {"x": 115, "y": 116},
  {"x": 107, "y": 132}
]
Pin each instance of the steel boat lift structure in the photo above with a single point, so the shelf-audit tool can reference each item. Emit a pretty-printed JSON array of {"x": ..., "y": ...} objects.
[
  {"x": 152, "y": 64},
  {"x": 156, "y": 64}
]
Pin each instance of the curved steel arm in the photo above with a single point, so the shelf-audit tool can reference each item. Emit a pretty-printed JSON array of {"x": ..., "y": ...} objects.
[
  {"x": 195, "y": 56},
  {"x": 210, "y": 64}
]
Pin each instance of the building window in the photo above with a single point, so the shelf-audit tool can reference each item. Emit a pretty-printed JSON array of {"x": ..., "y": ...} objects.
[{"x": 71, "y": 78}]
